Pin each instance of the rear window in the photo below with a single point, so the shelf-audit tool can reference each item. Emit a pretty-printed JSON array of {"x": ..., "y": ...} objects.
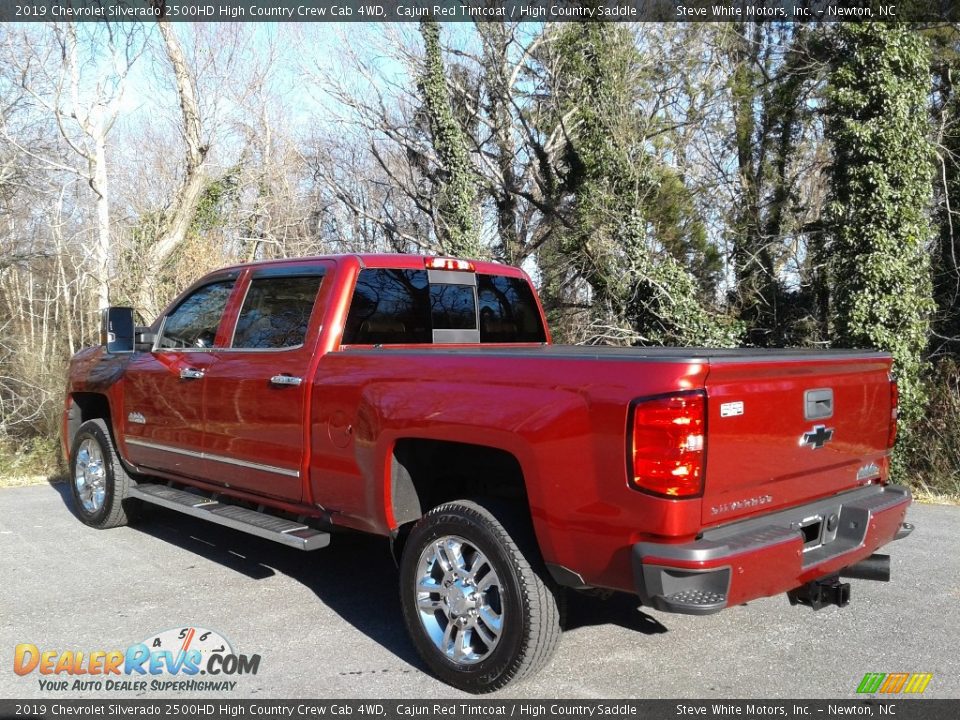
[
  {"x": 453, "y": 307},
  {"x": 389, "y": 307},
  {"x": 508, "y": 311},
  {"x": 404, "y": 307}
]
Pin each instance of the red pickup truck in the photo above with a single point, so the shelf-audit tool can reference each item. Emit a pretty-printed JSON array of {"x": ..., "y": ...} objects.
[{"x": 421, "y": 399}]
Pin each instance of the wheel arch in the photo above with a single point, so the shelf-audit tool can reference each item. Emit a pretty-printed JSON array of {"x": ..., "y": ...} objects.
[
  {"x": 425, "y": 473},
  {"x": 85, "y": 406}
]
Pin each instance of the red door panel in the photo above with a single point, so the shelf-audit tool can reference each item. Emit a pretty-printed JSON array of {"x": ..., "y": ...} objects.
[
  {"x": 255, "y": 395},
  {"x": 163, "y": 412},
  {"x": 254, "y": 438},
  {"x": 163, "y": 405}
]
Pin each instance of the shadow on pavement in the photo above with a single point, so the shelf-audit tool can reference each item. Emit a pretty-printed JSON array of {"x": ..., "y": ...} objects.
[
  {"x": 62, "y": 486},
  {"x": 344, "y": 575},
  {"x": 620, "y": 609}
]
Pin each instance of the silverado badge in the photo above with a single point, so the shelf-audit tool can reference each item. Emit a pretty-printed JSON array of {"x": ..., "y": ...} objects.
[{"x": 816, "y": 438}]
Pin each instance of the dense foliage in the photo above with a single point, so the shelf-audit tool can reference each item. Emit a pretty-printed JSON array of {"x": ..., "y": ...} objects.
[
  {"x": 880, "y": 192},
  {"x": 619, "y": 239},
  {"x": 456, "y": 204}
]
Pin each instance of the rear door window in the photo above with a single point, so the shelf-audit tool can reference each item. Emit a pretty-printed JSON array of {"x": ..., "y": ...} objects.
[{"x": 276, "y": 312}]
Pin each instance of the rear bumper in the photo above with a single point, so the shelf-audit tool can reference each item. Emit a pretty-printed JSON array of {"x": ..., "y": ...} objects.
[{"x": 771, "y": 554}]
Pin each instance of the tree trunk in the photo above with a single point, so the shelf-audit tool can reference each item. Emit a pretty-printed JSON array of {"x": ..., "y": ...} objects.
[
  {"x": 180, "y": 212},
  {"x": 101, "y": 190}
]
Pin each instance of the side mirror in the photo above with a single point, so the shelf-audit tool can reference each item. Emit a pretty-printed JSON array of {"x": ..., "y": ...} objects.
[
  {"x": 143, "y": 339},
  {"x": 116, "y": 329}
]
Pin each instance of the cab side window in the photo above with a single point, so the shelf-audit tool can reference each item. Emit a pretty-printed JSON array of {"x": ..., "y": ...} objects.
[
  {"x": 276, "y": 312},
  {"x": 194, "y": 322}
]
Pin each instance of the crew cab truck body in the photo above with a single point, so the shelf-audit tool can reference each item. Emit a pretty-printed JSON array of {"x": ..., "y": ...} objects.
[{"x": 421, "y": 399}]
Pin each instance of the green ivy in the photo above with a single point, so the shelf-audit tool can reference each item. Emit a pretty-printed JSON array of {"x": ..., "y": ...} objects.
[
  {"x": 457, "y": 204},
  {"x": 634, "y": 224},
  {"x": 880, "y": 192},
  {"x": 211, "y": 208}
]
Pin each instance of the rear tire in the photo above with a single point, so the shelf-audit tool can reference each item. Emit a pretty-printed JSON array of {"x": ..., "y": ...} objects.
[
  {"x": 478, "y": 603},
  {"x": 99, "y": 483}
]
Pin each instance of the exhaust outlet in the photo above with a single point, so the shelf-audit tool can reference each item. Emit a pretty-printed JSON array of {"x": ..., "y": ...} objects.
[{"x": 876, "y": 567}]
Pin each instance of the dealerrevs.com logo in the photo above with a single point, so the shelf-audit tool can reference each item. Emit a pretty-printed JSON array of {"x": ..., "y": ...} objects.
[{"x": 182, "y": 660}]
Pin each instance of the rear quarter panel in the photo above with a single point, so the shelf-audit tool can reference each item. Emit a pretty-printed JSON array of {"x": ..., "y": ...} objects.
[{"x": 563, "y": 420}]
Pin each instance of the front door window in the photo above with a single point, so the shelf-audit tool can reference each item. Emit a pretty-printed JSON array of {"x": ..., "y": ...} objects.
[{"x": 193, "y": 323}]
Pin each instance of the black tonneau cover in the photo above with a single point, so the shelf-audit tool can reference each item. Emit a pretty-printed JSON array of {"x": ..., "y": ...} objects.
[{"x": 603, "y": 352}]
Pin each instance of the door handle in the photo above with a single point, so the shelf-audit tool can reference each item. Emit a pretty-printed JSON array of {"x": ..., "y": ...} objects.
[
  {"x": 191, "y": 374},
  {"x": 285, "y": 380}
]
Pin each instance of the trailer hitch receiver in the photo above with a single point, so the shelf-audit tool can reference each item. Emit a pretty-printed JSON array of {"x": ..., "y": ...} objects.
[{"x": 820, "y": 593}]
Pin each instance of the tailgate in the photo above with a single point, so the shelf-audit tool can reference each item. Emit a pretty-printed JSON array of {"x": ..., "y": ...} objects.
[{"x": 785, "y": 431}]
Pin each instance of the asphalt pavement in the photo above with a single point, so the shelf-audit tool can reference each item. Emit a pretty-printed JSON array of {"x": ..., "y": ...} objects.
[{"x": 327, "y": 624}]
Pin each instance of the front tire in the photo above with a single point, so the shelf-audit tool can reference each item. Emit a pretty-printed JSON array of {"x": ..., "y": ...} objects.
[
  {"x": 99, "y": 483},
  {"x": 478, "y": 603}
]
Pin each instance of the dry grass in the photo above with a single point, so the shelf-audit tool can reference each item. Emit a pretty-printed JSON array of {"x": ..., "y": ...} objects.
[
  {"x": 30, "y": 462},
  {"x": 932, "y": 498},
  {"x": 933, "y": 465},
  {"x": 9, "y": 481}
]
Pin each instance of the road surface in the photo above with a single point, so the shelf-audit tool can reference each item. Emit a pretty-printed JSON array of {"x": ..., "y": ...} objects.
[{"x": 328, "y": 624}]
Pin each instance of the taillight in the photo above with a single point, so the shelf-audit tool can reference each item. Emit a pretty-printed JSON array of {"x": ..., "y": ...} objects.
[
  {"x": 667, "y": 444},
  {"x": 441, "y": 263},
  {"x": 894, "y": 409}
]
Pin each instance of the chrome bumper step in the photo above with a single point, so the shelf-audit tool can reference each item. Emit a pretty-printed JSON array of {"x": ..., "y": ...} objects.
[{"x": 281, "y": 530}]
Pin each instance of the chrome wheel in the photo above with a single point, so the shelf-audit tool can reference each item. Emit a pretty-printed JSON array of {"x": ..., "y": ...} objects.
[
  {"x": 90, "y": 475},
  {"x": 459, "y": 600}
]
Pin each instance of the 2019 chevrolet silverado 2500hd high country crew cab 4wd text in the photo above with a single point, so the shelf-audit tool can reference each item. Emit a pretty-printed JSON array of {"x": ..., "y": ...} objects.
[{"x": 420, "y": 399}]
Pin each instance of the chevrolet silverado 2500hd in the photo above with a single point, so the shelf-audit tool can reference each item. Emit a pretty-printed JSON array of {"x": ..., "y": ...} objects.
[{"x": 420, "y": 399}]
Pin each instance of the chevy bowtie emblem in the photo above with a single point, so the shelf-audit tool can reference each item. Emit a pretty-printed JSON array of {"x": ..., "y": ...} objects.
[{"x": 818, "y": 437}]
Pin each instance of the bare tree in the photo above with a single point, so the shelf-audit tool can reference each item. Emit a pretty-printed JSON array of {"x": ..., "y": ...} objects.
[
  {"x": 76, "y": 73},
  {"x": 179, "y": 213}
]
